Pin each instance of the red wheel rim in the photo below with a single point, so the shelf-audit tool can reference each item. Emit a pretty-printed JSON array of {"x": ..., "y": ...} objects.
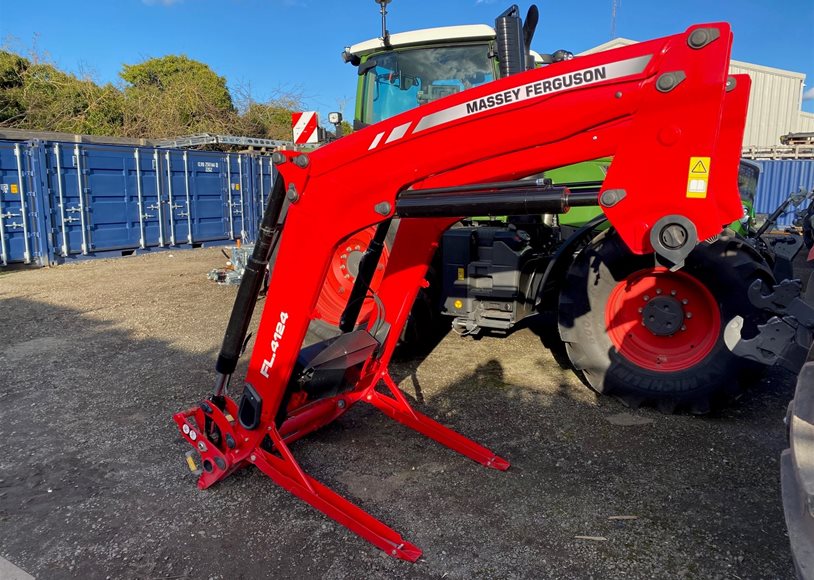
[
  {"x": 342, "y": 273},
  {"x": 643, "y": 321}
]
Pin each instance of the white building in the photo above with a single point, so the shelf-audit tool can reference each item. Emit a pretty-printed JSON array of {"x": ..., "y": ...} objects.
[{"x": 774, "y": 105}]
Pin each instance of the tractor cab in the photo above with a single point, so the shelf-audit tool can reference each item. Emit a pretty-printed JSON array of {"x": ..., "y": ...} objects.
[
  {"x": 402, "y": 71},
  {"x": 417, "y": 67}
]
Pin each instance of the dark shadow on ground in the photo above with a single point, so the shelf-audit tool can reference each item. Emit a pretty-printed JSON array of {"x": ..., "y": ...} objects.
[{"x": 93, "y": 483}]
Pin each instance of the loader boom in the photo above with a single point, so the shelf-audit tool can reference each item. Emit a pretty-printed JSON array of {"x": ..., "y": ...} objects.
[{"x": 665, "y": 103}]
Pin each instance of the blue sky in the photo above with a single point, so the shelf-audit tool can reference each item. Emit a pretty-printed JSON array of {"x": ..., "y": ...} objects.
[{"x": 294, "y": 45}]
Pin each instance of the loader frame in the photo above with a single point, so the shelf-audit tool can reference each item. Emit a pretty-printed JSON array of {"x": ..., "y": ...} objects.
[{"x": 663, "y": 103}]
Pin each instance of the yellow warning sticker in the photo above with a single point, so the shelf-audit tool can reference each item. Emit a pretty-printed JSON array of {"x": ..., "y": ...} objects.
[
  {"x": 698, "y": 177},
  {"x": 14, "y": 188}
]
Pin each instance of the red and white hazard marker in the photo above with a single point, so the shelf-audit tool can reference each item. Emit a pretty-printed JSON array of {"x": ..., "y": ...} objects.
[{"x": 305, "y": 126}]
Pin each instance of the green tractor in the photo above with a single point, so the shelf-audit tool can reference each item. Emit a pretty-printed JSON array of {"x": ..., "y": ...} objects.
[{"x": 625, "y": 324}]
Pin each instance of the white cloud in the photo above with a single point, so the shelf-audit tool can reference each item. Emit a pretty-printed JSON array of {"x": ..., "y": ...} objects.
[
  {"x": 478, "y": 2},
  {"x": 161, "y": 2},
  {"x": 809, "y": 95}
]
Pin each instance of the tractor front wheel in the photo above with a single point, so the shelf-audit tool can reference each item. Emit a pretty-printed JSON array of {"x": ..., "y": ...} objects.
[{"x": 651, "y": 336}]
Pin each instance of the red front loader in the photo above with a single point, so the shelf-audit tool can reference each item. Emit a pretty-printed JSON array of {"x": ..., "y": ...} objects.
[{"x": 666, "y": 104}]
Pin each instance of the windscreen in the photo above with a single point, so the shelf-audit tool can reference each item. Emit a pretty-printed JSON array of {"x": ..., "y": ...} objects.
[
  {"x": 747, "y": 181},
  {"x": 400, "y": 80}
]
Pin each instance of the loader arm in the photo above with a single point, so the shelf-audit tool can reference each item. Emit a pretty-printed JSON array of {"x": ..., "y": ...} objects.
[{"x": 665, "y": 103}]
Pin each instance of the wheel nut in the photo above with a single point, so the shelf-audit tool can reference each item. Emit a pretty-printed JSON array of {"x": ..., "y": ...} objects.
[
  {"x": 684, "y": 300},
  {"x": 672, "y": 292},
  {"x": 641, "y": 309},
  {"x": 683, "y": 327},
  {"x": 689, "y": 315},
  {"x": 646, "y": 298},
  {"x": 658, "y": 290}
]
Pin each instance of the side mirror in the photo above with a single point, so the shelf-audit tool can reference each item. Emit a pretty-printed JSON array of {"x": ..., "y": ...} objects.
[{"x": 366, "y": 66}]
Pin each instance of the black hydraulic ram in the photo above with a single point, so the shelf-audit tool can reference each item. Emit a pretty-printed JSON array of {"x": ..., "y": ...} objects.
[
  {"x": 250, "y": 287},
  {"x": 502, "y": 198},
  {"x": 367, "y": 268}
]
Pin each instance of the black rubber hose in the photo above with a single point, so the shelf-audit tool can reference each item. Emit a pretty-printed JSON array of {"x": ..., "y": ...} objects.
[{"x": 250, "y": 286}]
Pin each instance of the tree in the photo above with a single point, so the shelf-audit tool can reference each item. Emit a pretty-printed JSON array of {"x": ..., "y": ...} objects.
[
  {"x": 160, "y": 97},
  {"x": 12, "y": 71},
  {"x": 39, "y": 96},
  {"x": 175, "y": 95}
]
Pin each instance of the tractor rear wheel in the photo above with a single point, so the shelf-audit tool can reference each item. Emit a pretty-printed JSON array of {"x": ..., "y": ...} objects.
[{"x": 651, "y": 336}]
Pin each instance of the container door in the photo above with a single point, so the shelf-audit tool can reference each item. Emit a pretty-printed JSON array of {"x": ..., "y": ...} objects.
[
  {"x": 236, "y": 197},
  {"x": 111, "y": 213},
  {"x": 208, "y": 196},
  {"x": 264, "y": 179},
  {"x": 178, "y": 219},
  {"x": 149, "y": 193},
  {"x": 67, "y": 189},
  {"x": 15, "y": 205}
]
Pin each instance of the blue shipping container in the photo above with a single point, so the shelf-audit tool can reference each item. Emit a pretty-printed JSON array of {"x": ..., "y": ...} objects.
[
  {"x": 20, "y": 236},
  {"x": 61, "y": 201},
  {"x": 778, "y": 179}
]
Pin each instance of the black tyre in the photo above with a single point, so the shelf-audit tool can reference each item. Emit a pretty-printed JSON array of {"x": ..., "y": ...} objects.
[{"x": 651, "y": 336}]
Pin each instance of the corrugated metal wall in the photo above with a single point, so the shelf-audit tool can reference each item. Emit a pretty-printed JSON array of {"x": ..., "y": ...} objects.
[
  {"x": 806, "y": 124},
  {"x": 774, "y": 103},
  {"x": 779, "y": 178}
]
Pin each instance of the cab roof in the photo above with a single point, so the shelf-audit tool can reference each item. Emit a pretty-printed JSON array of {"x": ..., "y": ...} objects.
[{"x": 425, "y": 36}]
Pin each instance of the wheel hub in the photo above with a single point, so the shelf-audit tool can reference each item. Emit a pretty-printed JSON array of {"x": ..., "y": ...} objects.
[
  {"x": 353, "y": 260},
  {"x": 662, "y": 321},
  {"x": 342, "y": 274},
  {"x": 663, "y": 315}
]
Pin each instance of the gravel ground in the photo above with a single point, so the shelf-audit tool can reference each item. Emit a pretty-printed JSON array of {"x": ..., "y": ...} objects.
[{"x": 97, "y": 356}]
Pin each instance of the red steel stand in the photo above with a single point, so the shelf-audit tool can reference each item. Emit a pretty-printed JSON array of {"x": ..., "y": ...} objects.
[{"x": 284, "y": 470}]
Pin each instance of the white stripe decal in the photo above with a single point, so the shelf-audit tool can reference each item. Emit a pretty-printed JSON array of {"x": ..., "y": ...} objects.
[
  {"x": 575, "y": 79},
  {"x": 376, "y": 140},
  {"x": 398, "y": 132}
]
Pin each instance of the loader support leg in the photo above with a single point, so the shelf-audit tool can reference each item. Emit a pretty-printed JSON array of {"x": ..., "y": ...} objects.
[
  {"x": 286, "y": 473},
  {"x": 397, "y": 407}
]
